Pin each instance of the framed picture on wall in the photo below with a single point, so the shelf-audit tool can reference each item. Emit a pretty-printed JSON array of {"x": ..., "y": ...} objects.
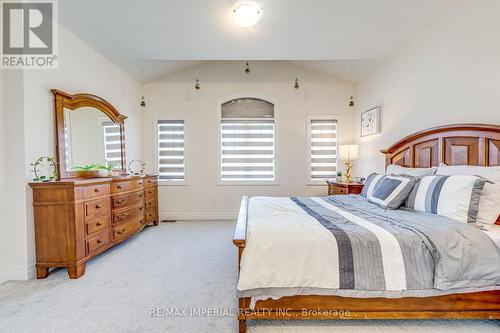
[{"x": 370, "y": 121}]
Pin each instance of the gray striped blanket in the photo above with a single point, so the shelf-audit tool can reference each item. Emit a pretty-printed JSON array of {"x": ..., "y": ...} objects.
[{"x": 345, "y": 242}]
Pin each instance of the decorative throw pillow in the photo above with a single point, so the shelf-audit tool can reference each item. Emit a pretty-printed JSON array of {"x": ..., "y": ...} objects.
[
  {"x": 456, "y": 197},
  {"x": 392, "y": 190},
  {"x": 489, "y": 204},
  {"x": 395, "y": 169},
  {"x": 370, "y": 183}
]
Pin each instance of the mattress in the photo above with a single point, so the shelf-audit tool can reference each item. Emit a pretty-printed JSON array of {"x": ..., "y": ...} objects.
[{"x": 346, "y": 246}]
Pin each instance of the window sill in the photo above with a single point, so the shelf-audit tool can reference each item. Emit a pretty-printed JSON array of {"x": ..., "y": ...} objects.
[
  {"x": 248, "y": 183},
  {"x": 317, "y": 183},
  {"x": 172, "y": 183}
]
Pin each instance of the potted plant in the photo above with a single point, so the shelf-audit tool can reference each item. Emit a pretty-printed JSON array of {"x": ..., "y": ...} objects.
[
  {"x": 339, "y": 176},
  {"x": 93, "y": 170},
  {"x": 104, "y": 171}
]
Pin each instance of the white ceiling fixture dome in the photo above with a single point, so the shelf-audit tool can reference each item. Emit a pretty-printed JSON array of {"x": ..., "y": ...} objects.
[{"x": 246, "y": 14}]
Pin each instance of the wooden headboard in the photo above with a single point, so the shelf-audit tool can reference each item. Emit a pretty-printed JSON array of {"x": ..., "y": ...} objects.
[{"x": 461, "y": 144}]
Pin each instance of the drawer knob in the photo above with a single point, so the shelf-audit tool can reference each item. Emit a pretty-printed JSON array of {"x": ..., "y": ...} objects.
[
  {"x": 98, "y": 224},
  {"x": 120, "y": 232},
  {"x": 120, "y": 201},
  {"x": 99, "y": 241},
  {"x": 142, "y": 221},
  {"x": 140, "y": 195},
  {"x": 150, "y": 192},
  {"x": 119, "y": 187},
  {"x": 97, "y": 190},
  {"x": 140, "y": 208},
  {"x": 98, "y": 206}
]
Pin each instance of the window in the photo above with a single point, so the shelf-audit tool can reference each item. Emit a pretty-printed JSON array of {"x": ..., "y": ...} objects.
[
  {"x": 112, "y": 144},
  {"x": 322, "y": 135},
  {"x": 247, "y": 141},
  {"x": 171, "y": 150}
]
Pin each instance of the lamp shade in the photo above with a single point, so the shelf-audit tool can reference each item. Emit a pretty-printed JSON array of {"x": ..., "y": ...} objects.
[{"x": 349, "y": 152}]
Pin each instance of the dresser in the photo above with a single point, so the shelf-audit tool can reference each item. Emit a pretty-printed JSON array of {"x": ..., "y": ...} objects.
[{"x": 76, "y": 219}]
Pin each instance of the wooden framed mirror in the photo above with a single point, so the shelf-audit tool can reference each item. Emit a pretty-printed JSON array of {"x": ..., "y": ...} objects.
[{"x": 89, "y": 131}]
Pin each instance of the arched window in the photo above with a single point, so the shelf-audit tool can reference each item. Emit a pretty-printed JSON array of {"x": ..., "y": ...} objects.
[{"x": 247, "y": 141}]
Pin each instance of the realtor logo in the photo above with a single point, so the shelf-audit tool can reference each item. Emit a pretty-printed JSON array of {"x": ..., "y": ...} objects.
[{"x": 29, "y": 34}]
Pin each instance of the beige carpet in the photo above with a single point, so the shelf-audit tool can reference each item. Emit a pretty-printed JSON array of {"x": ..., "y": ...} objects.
[{"x": 184, "y": 265}]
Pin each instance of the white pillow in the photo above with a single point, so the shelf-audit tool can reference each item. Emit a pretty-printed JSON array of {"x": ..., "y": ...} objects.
[
  {"x": 489, "y": 204},
  {"x": 456, "y": 197},
  {"x": 395, "y": 169}
]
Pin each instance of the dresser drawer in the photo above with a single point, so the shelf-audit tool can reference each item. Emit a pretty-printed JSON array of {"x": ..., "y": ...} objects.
[
  {"x": 150, "y": 193},
  {"x": 151, "y": 181},
  {"x": 97, "y": 242},
  {"x": 128, "y": 185},
  {"x": 93, "y": 191},
  {"x": 96, "y": 207},
  {"x": 97, "y": 225},
  {"x": 150, "y": 205},
  {"x": 128, "y": 228},
  {"x": 122, "y": 215},
  {"x": 150, "y": 216},
  {"x": 127, "y": 199}
]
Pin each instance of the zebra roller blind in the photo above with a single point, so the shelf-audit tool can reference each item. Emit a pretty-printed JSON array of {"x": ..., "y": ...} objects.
[
  {"x": 171, "y": 150},
  {"x": 112, "y": 144},
  {"x": 323, "y": 147},
  {"x": 247, "y": 140}
]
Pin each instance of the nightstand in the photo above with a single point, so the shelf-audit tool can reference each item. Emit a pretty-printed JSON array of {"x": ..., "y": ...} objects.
[{"x": 335, "y": 187}]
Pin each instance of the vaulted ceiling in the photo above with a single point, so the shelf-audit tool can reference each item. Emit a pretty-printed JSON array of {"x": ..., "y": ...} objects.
[{"x": 341, "y": 37}]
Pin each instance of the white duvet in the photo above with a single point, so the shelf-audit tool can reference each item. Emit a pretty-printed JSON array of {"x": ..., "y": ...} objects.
[{"x": 278, "y": 251}]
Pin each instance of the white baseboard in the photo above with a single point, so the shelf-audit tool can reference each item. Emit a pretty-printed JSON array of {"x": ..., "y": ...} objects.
[
  {"x": 18, "y": 273},
  {"x": 197, "y": 216}
]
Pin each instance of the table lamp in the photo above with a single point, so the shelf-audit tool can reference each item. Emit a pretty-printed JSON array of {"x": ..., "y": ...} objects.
[{"x": 348, "y": 153}]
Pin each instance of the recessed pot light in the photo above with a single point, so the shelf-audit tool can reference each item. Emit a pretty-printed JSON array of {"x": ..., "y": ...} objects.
[{"x": 246, "y": 14}]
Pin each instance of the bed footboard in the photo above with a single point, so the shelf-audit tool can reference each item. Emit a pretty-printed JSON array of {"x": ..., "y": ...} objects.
[{"x": 239, "y": 239}]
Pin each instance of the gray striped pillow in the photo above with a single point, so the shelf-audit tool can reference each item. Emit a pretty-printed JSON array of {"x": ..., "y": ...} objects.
[
  {"x": 370, "y": 183},
  {"x": 392, "y": 190},
  {"x": 456, "y": 197}
]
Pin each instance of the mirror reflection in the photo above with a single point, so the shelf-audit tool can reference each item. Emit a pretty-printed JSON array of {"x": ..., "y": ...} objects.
[{"x": 91, "y": 138}]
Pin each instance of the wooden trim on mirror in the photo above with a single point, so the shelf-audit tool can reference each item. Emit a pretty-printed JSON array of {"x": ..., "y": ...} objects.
[{"x": 64, "y": 100}]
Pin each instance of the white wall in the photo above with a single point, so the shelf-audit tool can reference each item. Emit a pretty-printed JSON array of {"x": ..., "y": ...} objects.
[
  {"x": 447, "y": 74},
  {"x": 12, "y": 191},
  {"x": 81, "y": 69},
  {"x": 3, "y": 174},
  {"x": 222, "y": 81}
]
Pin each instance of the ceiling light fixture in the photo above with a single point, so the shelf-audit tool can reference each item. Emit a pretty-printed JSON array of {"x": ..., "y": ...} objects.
[{"x": 246, "y": 14}]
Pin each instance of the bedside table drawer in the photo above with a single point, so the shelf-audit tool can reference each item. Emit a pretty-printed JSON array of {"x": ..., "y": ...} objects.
[{"x": 338, "y": 190}]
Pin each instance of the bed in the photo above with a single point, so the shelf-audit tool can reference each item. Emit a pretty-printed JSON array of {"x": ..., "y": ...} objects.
[{"x": 418, "y": 269}]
